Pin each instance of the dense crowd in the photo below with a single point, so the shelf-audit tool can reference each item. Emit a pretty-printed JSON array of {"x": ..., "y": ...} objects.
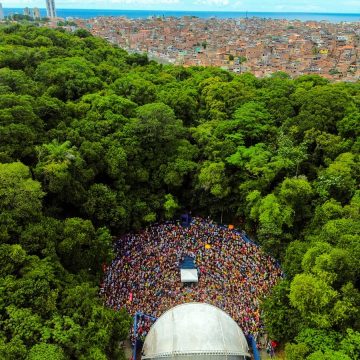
[{"x": 234, "y": 274}]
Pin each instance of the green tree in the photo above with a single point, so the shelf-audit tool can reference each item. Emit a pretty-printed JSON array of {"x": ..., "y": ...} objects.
[
  {"x": 339, "y": 180},
  {"x": 20, "y": 199},
  {"x": 83, "y": 247},
  {"x": 61, "y": 170},
  {"x": 46, "y": 351},
  {"x": 254, "y": 122},
  {"x": 273, "y": 218},
  {"x": 313, "y": 297},
  {"x": 183, "y": 100},
  {"x": 135, "y": 88},
  {"x": 282, "y": 321},
  {"x": 295, "y": 252},
  {"x": 68, "y": 78},
  {"x": 321, "y": 108},
  {"x": 350, "y": 344},
  {"x": 296, "y": 351},
  {"x": 13, "y": 349},
  {"x": 23, "y": 324},
  {"x": 170, "y": 206},
  {"x": 328, "y": 355},
  {"x": 103, "y": 206},
  {"x": 17, "y": 82},
  {"x": 11, "y": 258},
  {"x": 212, "y": 178},
  {"x": 157, "y": 124},
  {"x": 20, "y": 127}
]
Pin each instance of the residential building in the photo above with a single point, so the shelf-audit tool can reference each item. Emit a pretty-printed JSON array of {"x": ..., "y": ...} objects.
[
  {"x": 50, "y": 8},
  {"x": 27, "y": 11},
  {"x": 259, "y": 46}
]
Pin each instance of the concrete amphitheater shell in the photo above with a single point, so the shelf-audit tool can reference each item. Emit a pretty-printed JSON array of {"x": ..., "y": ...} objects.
[{"x": 195, "y": 331}]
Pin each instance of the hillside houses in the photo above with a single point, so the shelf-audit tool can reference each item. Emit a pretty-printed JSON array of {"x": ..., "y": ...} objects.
[{"x": 262, "y": 46}]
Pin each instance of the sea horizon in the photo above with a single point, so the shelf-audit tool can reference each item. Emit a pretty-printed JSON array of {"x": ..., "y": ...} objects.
[{"x": 138, "y": 14}]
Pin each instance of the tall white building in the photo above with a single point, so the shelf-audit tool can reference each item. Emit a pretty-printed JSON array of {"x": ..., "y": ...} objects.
[
  {"x": 50, "y": 8},
  {"x": 27, "y": 11},
  {"x": 1, "y": 12},
  {"x": 36, "y": 13}
]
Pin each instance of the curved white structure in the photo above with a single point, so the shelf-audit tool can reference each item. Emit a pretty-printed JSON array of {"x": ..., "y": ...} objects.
[{"x": 194, "y": 331}]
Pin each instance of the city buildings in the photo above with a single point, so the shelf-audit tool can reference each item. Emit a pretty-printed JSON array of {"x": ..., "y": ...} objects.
[
  {"x": 50, "y": 8},
  {"x": 256, "y": 45},
  {"x": 1, "y": 12}
]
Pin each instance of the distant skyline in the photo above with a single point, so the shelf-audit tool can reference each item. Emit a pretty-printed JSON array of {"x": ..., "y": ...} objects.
[{"x": 315, "y": 6}]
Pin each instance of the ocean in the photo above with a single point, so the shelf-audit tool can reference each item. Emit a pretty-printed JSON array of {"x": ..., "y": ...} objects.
[{"x": 136, "y": 14}]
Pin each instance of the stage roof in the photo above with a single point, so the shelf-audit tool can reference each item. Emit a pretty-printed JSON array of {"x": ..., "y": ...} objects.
[{"x": 195, "y": 331}]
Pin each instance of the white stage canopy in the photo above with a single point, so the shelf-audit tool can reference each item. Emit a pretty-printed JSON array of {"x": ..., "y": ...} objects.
[{"x": 195, "y": 331}]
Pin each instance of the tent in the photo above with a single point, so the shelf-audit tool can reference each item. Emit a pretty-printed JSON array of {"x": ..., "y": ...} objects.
[
  {"x": 188, "y": 270},
  {"x": 189, "y": 275}
]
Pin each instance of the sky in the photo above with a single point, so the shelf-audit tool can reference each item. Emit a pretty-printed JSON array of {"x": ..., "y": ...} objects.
[{"x": 327, "y": 6}]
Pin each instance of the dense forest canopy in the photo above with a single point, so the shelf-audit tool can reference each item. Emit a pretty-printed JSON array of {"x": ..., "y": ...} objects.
[{"x": 96, "y": 142}]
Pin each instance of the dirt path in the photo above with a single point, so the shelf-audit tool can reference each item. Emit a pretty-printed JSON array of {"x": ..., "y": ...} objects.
[{"x": 128, "y": 349}]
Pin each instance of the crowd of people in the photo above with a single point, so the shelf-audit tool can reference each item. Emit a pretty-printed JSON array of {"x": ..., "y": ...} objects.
[
  {"x": 233, "y": 273},
  {"x": 143, "y": 327}
]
